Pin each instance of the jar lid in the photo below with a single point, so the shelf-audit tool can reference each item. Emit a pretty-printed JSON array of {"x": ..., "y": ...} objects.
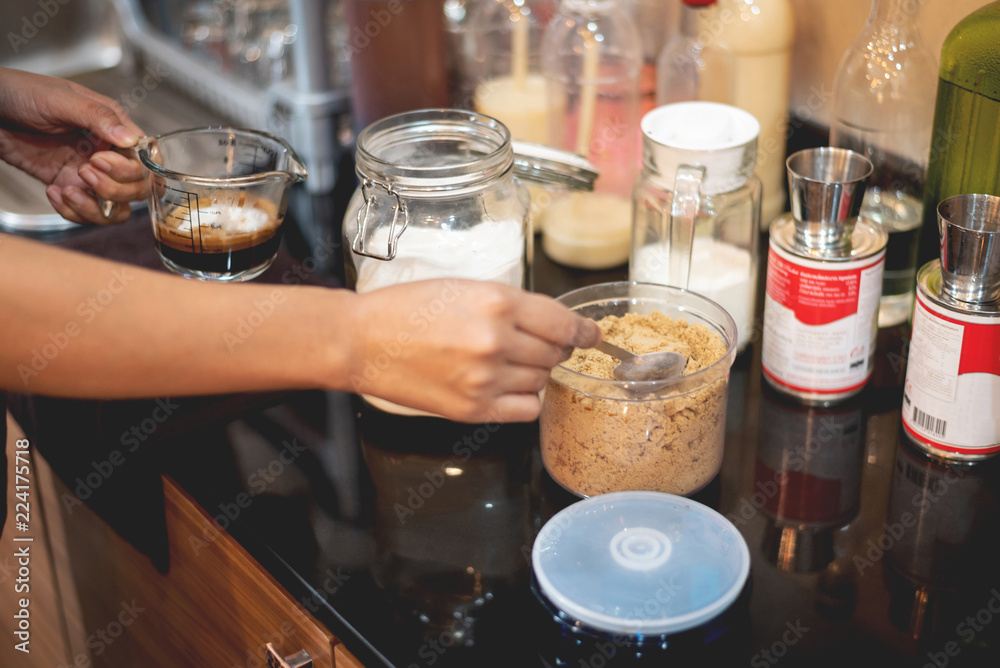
[
  {"x": 547, "y": 165},
  {"x": 719, "y": 137},
  {"x": 640, "y": 562}
]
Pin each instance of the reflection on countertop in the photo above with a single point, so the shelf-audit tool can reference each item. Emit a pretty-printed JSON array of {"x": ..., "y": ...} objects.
[{"x": 409, "y": 537}]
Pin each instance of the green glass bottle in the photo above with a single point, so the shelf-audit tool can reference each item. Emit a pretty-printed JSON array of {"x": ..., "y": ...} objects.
[{"x": 965, "y": 145}]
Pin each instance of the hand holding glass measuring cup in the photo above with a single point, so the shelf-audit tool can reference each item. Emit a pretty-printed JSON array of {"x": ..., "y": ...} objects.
[{"x": 217, "y": 199}]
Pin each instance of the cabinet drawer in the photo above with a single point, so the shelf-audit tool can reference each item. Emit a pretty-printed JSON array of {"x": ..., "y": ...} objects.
[
  {"x": 215, "y": 606},
  {"x": 222, "y": 602}
]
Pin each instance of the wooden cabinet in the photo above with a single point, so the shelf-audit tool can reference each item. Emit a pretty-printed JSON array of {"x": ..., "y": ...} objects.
[
  {"x": 344, "y": 659},
  {"x": 216, "y": 606},
  {"x": 223, "y": 606}
]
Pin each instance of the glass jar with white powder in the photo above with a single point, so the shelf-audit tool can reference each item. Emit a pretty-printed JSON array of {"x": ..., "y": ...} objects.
[
  {"x": 696, "y": 206},
  {"x": 439, "y": 198}
]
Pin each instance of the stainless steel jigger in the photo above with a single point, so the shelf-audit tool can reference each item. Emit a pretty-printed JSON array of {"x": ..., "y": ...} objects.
[
  {"x": 826, "y": 187},
  {"x": 969, "y": 226}
]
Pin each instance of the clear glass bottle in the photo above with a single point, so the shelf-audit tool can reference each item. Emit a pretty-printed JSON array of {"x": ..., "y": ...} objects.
[
  {"x": 592, "y": 58},
  {"x": 883, "y": 109},
  {"x": 692, "y": 69},
  {"x": 507, "y": 82},
  {"x": 964, "y": 156}
]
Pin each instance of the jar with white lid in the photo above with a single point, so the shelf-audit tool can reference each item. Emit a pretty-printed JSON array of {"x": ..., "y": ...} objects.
[{"x": 696, "y": 206}]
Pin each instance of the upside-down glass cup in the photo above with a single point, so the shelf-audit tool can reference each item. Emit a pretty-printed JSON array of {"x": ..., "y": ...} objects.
[
  {"x": 601, "y": 435},
  {"x": 217, "y": 199}
]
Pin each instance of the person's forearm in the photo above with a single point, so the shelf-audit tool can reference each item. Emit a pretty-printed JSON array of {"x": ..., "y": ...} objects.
[{"x": 73, "y": 325}]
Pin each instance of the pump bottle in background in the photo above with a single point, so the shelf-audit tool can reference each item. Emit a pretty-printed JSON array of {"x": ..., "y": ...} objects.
[
  {"x": 759, "y": 34},
  {"x": 964, "y": 155}
]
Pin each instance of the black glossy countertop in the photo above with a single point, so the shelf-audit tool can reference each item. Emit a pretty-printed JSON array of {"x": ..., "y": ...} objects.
[{"x": 872, "y": 554}]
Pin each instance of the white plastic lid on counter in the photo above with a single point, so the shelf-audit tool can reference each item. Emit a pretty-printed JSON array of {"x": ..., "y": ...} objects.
[{"x": 640, "y": 563}]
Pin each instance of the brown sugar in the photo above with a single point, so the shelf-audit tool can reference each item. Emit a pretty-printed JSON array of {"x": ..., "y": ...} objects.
[{"x": 602, "y": 437}]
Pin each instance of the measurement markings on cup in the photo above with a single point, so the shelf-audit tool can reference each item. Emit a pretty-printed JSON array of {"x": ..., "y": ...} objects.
[{"x": 186, "y": 210}]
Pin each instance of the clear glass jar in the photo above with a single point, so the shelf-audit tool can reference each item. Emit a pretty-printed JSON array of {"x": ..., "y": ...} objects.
[
  {"x": 696, "y": 206},
  {"x": 437, "y": 199},
  {"x": 601, "y": 435}
]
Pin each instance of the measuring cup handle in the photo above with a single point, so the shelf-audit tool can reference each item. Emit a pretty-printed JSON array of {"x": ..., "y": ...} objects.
[{"x": 683, "y": 210}]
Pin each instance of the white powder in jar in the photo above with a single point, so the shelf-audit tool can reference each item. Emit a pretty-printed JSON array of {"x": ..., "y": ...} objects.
[
  {"x": 719, "y": 271},
  {"x": 490, "y": 251}
]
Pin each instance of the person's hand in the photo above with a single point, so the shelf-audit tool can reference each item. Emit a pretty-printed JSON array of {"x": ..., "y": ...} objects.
[
  {"x": 63, "y": 134},
  {"x": 470, "y": 351}
]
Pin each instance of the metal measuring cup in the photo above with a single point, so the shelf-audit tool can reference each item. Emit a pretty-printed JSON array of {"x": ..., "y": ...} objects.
[{"x": 969, "y": 226}]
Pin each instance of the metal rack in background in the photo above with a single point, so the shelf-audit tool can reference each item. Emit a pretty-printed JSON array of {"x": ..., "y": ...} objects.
[{"x": 308, "y": 107}]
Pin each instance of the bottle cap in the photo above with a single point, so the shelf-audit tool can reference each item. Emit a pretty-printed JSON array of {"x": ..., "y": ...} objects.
[
  {"x": 640, "y": 563},
  {"x": 969, "y": 226},
  {"x": 719, "y": 137}
]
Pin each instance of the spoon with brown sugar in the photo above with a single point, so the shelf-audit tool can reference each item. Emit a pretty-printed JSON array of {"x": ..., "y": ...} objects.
[{"x": 651, "y": 366}]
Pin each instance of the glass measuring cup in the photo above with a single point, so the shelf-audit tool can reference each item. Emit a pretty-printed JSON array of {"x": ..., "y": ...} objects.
[{"x": 217, "y": 199}]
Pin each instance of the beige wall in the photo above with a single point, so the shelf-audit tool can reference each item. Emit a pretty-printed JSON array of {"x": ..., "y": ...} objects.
[{"x": 826, "y": 28}]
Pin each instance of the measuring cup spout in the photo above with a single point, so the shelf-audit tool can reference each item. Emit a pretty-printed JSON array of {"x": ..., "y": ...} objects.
[{"x": 296, "y": 170}]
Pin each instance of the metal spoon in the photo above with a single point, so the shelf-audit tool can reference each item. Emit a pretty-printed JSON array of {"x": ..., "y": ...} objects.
[{"x": 651, "y": 366}]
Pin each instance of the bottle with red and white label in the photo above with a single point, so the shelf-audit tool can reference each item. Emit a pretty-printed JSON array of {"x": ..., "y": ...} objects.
[
  {"x": 824, "y": 277},
  {"x": 951, "y": 399}
]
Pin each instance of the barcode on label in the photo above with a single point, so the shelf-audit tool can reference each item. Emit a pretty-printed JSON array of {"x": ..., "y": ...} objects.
[{"x": 932, "y": 424}]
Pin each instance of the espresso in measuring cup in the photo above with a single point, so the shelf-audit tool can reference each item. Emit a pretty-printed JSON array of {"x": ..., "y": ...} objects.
[
  {"x": 220, "y": 237},
  {"x": 217, "y": 199}
]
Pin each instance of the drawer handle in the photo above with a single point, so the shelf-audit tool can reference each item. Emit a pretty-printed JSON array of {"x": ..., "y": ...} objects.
[{"x": 299, "y": 660}]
